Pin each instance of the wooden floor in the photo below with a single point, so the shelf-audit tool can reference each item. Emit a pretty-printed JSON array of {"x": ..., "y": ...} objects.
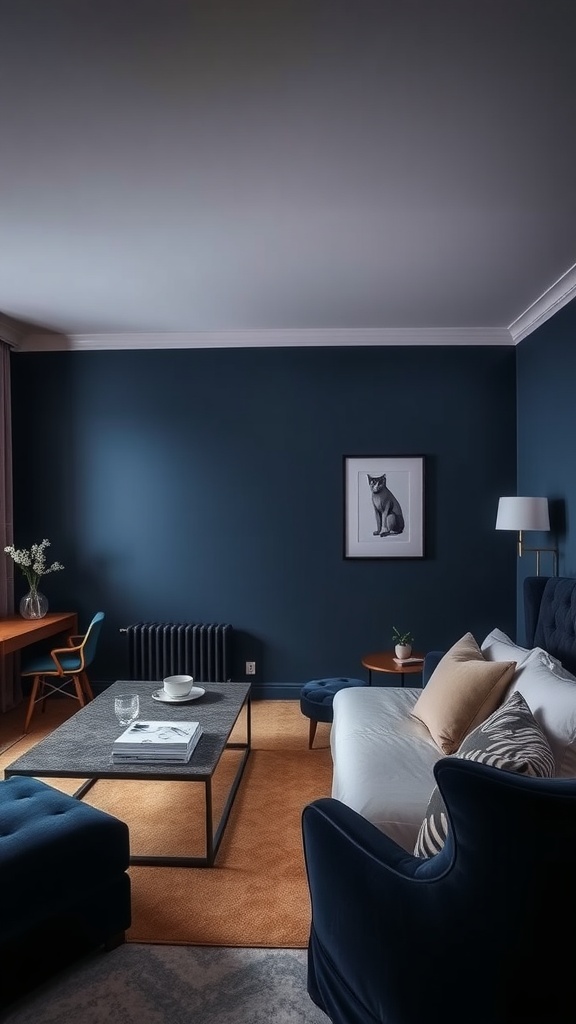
[{"x": 58, "y": 709}]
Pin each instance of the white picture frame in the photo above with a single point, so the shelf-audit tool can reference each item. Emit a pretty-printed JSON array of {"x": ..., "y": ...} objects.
[{"x": 383, "y": 520}]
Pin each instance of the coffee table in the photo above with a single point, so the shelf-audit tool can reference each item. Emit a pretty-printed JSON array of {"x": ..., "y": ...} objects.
[{"x": 81, "y": 748}]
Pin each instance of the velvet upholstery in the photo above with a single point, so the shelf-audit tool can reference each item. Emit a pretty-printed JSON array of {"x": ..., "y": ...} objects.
[
  {"x": 469, "y": 936},
  {"x": 550, "y": 616},
  {"x": 431, "y": 661},
  {"x": 474, "y": 934},
  {"x": 64, "y": 884},
  {"x": 317, "y": 696}
]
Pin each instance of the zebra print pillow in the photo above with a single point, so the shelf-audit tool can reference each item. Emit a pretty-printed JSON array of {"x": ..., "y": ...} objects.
[{"x": 510, "y": 738}]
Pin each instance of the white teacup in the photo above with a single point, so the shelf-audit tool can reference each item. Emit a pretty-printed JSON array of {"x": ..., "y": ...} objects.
[{"x": 178, "y": 686}]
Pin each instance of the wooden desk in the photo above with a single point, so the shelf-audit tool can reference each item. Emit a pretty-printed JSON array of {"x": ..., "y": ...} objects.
[
  {"x": 16, "y": 632},
  {"x": 386, "y": 662}
]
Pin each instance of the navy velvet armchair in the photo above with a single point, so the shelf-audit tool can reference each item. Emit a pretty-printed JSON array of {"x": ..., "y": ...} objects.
[{"x": 471, "y": 936}]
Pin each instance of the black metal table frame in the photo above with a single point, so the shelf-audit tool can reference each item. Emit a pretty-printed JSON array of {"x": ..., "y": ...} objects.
[{"x": 213, "y": 835}]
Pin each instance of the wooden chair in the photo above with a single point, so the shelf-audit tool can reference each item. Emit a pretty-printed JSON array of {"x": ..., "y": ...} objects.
[{"x": 64, "y": 667}]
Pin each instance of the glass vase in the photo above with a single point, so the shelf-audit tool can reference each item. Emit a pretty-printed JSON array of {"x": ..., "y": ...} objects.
[{"x": 33, "y": 605}]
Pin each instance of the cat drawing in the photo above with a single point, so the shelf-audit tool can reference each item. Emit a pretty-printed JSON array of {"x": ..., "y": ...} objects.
[{"x": 389, "y": 517}]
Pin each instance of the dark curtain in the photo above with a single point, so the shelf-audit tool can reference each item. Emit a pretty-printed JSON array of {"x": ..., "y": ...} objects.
[{"x": 10, "y": 688}]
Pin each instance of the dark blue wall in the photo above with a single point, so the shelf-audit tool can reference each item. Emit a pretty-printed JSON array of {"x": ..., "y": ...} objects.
[
  {"x": 546, "y": 368},
  {"x": 206, "y": 485}
]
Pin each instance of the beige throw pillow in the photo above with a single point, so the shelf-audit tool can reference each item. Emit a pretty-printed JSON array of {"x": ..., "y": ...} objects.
[{"x": 462, "y": 691}]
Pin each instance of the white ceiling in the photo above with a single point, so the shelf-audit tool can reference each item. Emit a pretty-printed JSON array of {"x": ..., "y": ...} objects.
[{"x": 258, "y": 172}]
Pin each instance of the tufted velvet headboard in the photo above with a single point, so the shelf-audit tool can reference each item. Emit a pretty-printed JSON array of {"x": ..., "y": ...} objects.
[{"x": 550, "y": 616}]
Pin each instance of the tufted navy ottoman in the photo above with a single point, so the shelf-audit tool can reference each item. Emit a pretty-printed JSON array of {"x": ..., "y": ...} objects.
[
  {"x": 63, "y": 884},
  {"x": 316, "y": 699}
]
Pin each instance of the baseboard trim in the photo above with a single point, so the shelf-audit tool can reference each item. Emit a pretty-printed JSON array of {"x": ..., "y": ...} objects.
[{"x": 276, "y": 691}]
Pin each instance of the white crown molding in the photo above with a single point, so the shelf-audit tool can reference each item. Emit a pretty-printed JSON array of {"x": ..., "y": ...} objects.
[
  {"x": 558, "y": 295},
  {"x": 351, "y": 337}
]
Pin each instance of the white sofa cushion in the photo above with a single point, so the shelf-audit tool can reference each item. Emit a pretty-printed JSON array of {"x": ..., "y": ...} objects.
[
  {"x": 499, "y": 647},
  {"x": 383, "y": 758},
  {"x": 548, "y": 689},
  {"x": 550, "y": 692}
]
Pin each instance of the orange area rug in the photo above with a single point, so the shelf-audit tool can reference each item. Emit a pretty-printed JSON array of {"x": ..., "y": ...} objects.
[{"x": 256, "y": 894}]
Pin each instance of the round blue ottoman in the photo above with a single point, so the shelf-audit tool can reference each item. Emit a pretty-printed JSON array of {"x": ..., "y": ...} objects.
[{"x": 316, "y": 699}]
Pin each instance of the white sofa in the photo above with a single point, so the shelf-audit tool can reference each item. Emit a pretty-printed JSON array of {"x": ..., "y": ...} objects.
[{"x": 383, "y": 758}]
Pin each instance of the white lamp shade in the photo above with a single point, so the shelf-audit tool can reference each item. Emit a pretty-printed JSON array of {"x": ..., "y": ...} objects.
[{"x": 523, "y": 514}]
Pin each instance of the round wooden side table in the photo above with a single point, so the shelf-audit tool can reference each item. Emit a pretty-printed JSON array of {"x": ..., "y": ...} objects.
[{"x": 385, "y": 661}]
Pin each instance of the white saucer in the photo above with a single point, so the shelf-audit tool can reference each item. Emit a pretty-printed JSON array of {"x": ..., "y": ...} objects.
[{"x": 192, "y": 694}]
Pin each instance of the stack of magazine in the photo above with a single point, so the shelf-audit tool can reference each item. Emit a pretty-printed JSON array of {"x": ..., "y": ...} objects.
[{"x": 156, "y": 742}]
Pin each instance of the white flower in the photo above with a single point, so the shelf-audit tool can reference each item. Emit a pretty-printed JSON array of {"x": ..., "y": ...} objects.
[{"x": 32, "y": 561}]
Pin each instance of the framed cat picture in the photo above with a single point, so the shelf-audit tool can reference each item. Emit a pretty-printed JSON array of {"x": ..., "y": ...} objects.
[{"x": 383, "y": 506}]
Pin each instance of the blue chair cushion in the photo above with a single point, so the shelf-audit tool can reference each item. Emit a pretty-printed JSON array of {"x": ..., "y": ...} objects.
[
  {"x": 317, "y": 695},
  {"x": 40, "y": 666},
  {"x": 45, "y": 664}
]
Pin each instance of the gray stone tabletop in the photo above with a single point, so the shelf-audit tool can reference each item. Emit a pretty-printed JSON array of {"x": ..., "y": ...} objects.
[{"x": 82, "y": 746}]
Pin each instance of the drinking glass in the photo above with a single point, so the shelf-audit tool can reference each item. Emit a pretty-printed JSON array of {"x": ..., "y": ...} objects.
[{"x": 126, "y": 707}]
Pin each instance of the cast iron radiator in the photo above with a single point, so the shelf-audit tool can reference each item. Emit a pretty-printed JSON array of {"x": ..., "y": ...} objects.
[{"x": 159, "y": 649}]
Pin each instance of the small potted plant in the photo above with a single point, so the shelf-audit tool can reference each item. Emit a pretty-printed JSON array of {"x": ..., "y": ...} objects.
[{"x": 402, "y": 643}]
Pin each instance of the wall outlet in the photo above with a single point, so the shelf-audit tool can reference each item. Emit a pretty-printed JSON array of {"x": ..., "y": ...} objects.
[{"x": 250, "y": 668}]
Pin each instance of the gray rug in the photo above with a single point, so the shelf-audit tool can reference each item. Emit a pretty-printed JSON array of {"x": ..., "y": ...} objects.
[{"x": 145, "y": 984}]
